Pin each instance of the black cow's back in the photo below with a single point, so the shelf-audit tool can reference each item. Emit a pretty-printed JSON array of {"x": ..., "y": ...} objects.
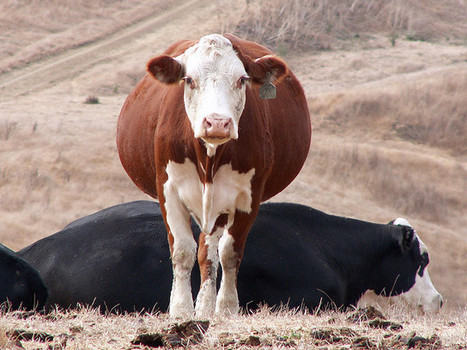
[
  {"x": 20, "y": 283},
  {"x": 119, "y": 259}
]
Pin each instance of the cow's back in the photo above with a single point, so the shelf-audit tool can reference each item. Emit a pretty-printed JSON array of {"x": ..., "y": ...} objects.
[
  {"x": 20, "y": 283},
  {"x": 117, "y": 259}
]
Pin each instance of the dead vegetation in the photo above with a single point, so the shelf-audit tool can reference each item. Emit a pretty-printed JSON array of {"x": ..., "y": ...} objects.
[
  {"x": 386, "y": 149},
  {"x": 322, "y": 25},
  {"x": 426, "y": 110},
  {"x": 37, "y": 29},
  {"x": 359, "y": 329},
  {"x": 422, "y": 111}
]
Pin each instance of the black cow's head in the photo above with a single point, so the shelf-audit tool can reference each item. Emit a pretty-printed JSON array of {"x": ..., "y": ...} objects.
[{"x": 403, "y": 272}]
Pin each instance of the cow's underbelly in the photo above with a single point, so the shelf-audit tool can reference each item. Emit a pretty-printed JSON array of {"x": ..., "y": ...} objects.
[{"x": 228, "y": 192}]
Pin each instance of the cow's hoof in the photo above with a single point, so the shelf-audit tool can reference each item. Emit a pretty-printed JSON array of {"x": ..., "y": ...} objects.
[
  {"x": 181, "y": 311},
  {"x": 227, "y": 307}
]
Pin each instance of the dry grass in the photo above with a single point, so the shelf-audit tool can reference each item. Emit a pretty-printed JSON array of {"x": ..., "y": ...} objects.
[
  {"x": 37, "y": 29},
  {"x": 321, "y": 24},
  {"x": 398, "y": 149},
  {"x": 396, "y": 178},
  {"x": 87, "y": 329},
  {"x": 427, "y": 110}
]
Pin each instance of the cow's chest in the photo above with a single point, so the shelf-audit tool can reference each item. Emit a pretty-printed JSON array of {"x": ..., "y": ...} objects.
[{"x": 228, "y": 192}]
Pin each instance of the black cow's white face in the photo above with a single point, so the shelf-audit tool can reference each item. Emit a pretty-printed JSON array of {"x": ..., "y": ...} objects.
[
  {"x": 412, "y": 285},
  {"x": 423, "y": 293}
]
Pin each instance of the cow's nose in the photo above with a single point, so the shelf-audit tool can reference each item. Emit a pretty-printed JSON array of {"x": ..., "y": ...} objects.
[{"x": 217, "y": 127}]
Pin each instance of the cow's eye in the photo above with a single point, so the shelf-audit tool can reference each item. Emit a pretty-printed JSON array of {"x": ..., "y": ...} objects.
[
  {"x": 190, "y": 82},
  {"x": 242, "y": 81}
]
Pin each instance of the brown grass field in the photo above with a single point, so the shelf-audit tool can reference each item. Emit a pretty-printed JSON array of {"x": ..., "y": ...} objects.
[{"x": 386, "y": 83}]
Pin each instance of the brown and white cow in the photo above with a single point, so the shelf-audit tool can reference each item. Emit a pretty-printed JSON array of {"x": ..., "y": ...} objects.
[{"x": 195, "y": 134}]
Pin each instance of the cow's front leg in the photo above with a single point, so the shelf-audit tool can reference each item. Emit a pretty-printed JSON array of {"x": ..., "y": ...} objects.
[
  {"x": 208, "y": 259},
  {"x": 231, "y": 247},
  {"x": 183, "y": 254}
]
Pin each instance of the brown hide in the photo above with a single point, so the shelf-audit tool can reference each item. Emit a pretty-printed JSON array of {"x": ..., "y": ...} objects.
[{"x": 279, "y": 130}]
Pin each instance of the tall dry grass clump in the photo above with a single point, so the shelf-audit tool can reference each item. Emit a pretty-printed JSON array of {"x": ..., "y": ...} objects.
[{"x": 321, "y": 24}]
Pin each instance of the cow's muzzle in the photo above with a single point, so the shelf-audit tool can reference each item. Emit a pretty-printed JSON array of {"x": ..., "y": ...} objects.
[{"x": 217, "y": 128}]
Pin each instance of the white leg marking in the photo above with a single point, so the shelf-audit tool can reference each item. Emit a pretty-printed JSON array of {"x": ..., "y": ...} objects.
[
  {"x": 206, "y": 300},
  {"x": 227, "y": 299},
  {"x": 185, "y": 193},
  {"x": 184, "y": 251}
]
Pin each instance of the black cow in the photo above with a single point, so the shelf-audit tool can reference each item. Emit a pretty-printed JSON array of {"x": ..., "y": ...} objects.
[
  {"x": 20, "y": 284},
  {"x": 118, "y": 259}
]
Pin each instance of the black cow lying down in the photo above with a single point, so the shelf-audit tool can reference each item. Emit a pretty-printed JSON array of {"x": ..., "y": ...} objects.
[
  {"x": 20, "y": 284},
  {"x": 118, "y": 259}
]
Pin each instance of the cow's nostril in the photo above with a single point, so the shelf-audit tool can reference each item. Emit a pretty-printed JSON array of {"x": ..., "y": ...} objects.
[{"x": 227, "y": 124}]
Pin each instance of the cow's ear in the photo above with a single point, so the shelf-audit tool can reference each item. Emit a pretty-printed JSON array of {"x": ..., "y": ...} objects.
[
  {"x": 165, "y": 69},
  {"x": 267, "y": 68},
  {"x": 406, "y": 238}
]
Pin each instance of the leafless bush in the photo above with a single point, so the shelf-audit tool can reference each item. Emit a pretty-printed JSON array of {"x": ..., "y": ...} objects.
[
  {"x": 92, "y": 100},
  {"x": 318, "y": 24}
]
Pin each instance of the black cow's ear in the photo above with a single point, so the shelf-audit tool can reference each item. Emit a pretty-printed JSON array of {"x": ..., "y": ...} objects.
[
  {"x": 165, "y": 69},
  {"x": 406, "y": 238}
]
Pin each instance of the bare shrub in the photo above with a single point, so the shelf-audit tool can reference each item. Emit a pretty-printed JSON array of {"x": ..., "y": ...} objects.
[
  {"x": 91, "y": 100},
  {"x": 318, "y": 24}
]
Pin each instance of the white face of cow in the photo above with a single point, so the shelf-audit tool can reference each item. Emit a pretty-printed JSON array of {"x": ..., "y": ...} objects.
[
  {"x": 423, "y": 294},
  {"x": 214, "y": 95},
  {"x": 215, "y": 75}
]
